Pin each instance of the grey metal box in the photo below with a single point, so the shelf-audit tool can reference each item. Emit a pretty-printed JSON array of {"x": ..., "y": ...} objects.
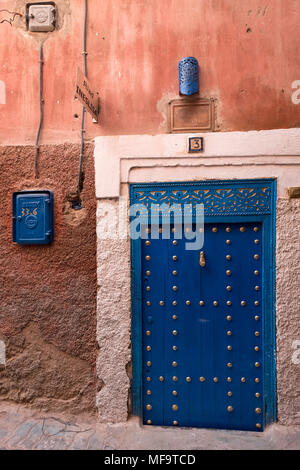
[{"x": 41, "y": 17}]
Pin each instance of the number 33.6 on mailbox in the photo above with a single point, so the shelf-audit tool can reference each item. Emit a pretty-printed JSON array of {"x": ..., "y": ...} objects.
[{"x": 33, "y": 217}]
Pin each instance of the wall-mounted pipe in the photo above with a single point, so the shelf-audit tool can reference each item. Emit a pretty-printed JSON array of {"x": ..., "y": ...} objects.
[
  {"x": 77, "y": 204},
  {"x": 41, "y": 103}
]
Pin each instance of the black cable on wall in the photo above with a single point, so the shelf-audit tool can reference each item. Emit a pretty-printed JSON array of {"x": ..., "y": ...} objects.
[
  {"x": 41, "y": 102},
  {"x": 77, "y": 204},
  {"x": 10, "y": 17}
]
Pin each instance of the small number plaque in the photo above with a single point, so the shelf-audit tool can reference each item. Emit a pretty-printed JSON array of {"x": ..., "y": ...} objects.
[{"x": 196, "y": 144}]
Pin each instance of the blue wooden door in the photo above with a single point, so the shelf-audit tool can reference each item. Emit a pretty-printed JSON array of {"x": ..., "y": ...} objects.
[{"x": 202, "y": 329}]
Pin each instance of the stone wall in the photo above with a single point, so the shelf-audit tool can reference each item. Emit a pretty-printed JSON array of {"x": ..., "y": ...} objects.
[
  {"x": 113, "y": 316},
  {"x": 288, "y": 311}
]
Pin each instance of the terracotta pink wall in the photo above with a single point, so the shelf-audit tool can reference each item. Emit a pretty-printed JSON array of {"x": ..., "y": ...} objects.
[{"x": 248, "y": 53}]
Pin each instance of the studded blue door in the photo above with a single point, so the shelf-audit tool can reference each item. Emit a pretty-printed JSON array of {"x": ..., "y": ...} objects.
[{"x": 202, "y": 323}]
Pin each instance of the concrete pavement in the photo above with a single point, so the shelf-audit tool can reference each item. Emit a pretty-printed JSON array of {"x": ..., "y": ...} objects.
[{"x": 23, "y": 428}]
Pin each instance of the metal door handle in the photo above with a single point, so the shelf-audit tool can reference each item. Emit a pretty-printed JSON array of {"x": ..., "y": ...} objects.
[{"x": 202, "y": 259}]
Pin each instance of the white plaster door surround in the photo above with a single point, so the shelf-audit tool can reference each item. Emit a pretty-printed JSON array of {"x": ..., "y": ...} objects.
[{"x": 120, "y": 160}]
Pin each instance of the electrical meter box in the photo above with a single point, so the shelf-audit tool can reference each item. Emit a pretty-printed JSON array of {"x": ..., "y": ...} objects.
[
  {"x": 41, "y": 17},
  {"x": 33, "y": 217}
]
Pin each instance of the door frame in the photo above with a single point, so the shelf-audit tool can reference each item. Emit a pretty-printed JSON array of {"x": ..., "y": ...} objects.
[{"x": 259, "y": 211}]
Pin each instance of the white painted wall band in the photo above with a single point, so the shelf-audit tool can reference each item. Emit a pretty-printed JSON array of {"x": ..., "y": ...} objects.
[
  {"x": 123, "y": 159},
  {"x": 172, "y": 150}
]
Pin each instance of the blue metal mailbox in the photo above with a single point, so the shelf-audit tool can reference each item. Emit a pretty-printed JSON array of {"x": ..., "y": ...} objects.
[{"x": 33, "y": 217}]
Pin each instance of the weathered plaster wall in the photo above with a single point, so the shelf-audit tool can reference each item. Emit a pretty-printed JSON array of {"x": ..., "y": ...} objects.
[
  {"x": 48, "y": 293},
  {"x": 113, "y": 316},
  {"x": 165, "y": 157},
  {"x": 288, "y": 310},
  {"x": 248, "y": 53}
]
